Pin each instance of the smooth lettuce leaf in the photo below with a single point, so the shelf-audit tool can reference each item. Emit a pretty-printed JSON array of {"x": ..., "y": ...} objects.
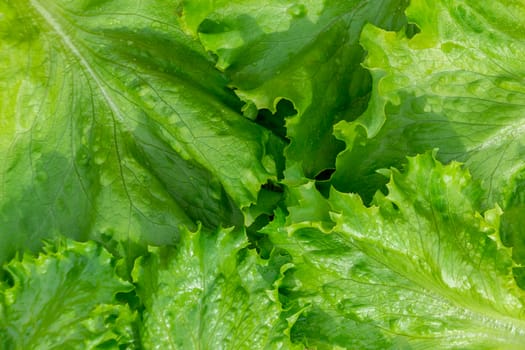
[
  {"x": 421, "y": 268},
  {"x": 66, "y": 298},
  {"x": 457, "y": 85},
  {"x": 209, "y": 293},
  {"x": 116, "y": 126},
  {"x": 305, "y": 52}
]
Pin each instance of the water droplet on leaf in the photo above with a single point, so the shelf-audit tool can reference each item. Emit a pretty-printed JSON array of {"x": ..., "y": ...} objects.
[{"x": 297, "y": 10}]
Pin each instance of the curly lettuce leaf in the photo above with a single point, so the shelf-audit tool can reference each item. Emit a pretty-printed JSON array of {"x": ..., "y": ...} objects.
[
  {"x": 420, "y": 268},
  {"x": 305, "y": 52},
  {"x": 66, "y": 298},
  {"x": 116, "y": 124},
  {"x": 209, "y": 293},
  {"x": 457, "y": 85}
]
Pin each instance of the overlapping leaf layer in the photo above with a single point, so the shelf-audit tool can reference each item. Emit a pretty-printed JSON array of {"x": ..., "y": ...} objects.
[{"x": 273, "y": 174}]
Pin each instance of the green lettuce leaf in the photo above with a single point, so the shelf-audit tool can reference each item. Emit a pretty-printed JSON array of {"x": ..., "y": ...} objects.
[
  {"x": 421, "y": 268},
  {"x": 210, "y": 293},
  {"x": 145, "y": 128},
  {"x": 65, "y": 299},
  {"x": 457, "y": 86},
  {"x": 305, "y": 52},
  {"x": 115, "y": 125}
]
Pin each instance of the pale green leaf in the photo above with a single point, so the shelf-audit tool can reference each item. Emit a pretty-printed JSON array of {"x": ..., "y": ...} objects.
[
  {"x": 209, "y": 293},
  {"x": 66, "y": 298},
  {"x": 116, "y": 126},
  {"x": 421, "y": 268},
  {"x": 457, "y": 86}
]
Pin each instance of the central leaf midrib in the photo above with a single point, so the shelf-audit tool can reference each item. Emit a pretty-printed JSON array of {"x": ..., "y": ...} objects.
[
  {"x": 74, "y": 50},
  {"x": 116, "y": 115},
  {"x": 494, "y": 320}
]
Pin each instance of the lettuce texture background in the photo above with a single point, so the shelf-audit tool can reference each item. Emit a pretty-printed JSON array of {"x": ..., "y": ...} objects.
[{"x": 272, "y": 174}]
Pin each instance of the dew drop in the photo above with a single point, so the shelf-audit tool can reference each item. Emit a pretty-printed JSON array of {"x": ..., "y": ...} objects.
[
  {"x": 99, "y": 159},
  {"x": 106, "y": 178},
  {"x": 297, "y": 10}
]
